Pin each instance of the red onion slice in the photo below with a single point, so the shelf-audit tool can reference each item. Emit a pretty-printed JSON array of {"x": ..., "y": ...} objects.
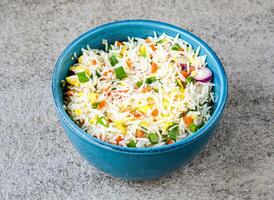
[
  {"x": 184, "y": 66},
  {"x": 203, "y": 75}
]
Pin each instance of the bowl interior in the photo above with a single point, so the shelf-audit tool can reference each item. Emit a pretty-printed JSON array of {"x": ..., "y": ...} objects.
[{"x": 138, "y": 28}]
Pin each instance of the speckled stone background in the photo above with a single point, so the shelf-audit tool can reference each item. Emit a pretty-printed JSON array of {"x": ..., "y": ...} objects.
[{"x": 38, "y": 162}]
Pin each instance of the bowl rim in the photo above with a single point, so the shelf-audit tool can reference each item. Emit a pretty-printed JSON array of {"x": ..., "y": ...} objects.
[{"x": 91, "y": 139}]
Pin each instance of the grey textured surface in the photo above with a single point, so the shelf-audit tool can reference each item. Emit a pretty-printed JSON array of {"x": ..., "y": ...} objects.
[{"x": 38, "y": 162}]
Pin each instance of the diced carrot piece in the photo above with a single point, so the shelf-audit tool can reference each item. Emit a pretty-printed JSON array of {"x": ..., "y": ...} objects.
[
  {"x": 188, "y": 120},
  {"x": 140, "y": 134},
  {"x": 118, "y": 139},
  {"x": 184, "y": 73},
  {"x": 102, "y": 104},
  {"x": 128, "y": 61},
  {"x": 94, "y": 62},
  {"x": 191, "y": 69},
  {"x": 108, "y": 72},
  {"x": 146, "y": 89},
  {"x": 147, "y": 40},
  {"x": 154, "y": 67},
  {"x": 119, "y": 43},
  {"x": 181, "y": 49},
  {"x": 70, "y": 93},
  {"x": 125, "y": 90},
  {"x": 136, "y": 114},
  {"x": 105, "y": 89},
  {"x": 155, "y": 112},
  {"x": 169, "y": 141},
  {"x": 152, "y": 46}
]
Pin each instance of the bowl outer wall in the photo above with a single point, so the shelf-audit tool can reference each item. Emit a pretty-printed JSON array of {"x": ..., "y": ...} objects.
[{"x": 137, "y": 164}]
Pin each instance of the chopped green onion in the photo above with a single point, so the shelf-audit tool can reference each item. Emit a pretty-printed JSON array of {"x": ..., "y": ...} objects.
[
  {"x": 151, "y": 79},
  {"x": 82, "y": 77},
  {"x": 132, "y": 143},
  {"x": 139, "y": 83},
  {"x": 110, "y": 47},
  {"x": 120, "y": 72},
  {"x": 188, "y": 48},
  {"x": 193, "y": 128},
  {"x": 102, "y": 121},
  {"x": 143, "y": 54},
  {"x": 175, "y": 47},
  {"x": 156, "y": 90},
  {"x": 160, "y": 41},
  {"x": 173, "y": 130},
  {"x": 148, "y": 81},
  {"x": 98, "y": 74},
  {"x": 153, "y": 138},
  {"x": 143, "y": 51},
  {"x": 172, "y": 135},
  {"x": 113, "y": 60},
  {"x": 95, "y": 105},
  {"x": 189, "y": 79}
]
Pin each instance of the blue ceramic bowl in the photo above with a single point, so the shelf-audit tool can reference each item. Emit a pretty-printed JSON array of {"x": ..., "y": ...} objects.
[{"x": 132, "y": 163}]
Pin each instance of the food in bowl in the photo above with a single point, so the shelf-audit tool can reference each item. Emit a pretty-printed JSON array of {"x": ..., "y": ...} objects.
[{"x": 141, "y": 92}]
